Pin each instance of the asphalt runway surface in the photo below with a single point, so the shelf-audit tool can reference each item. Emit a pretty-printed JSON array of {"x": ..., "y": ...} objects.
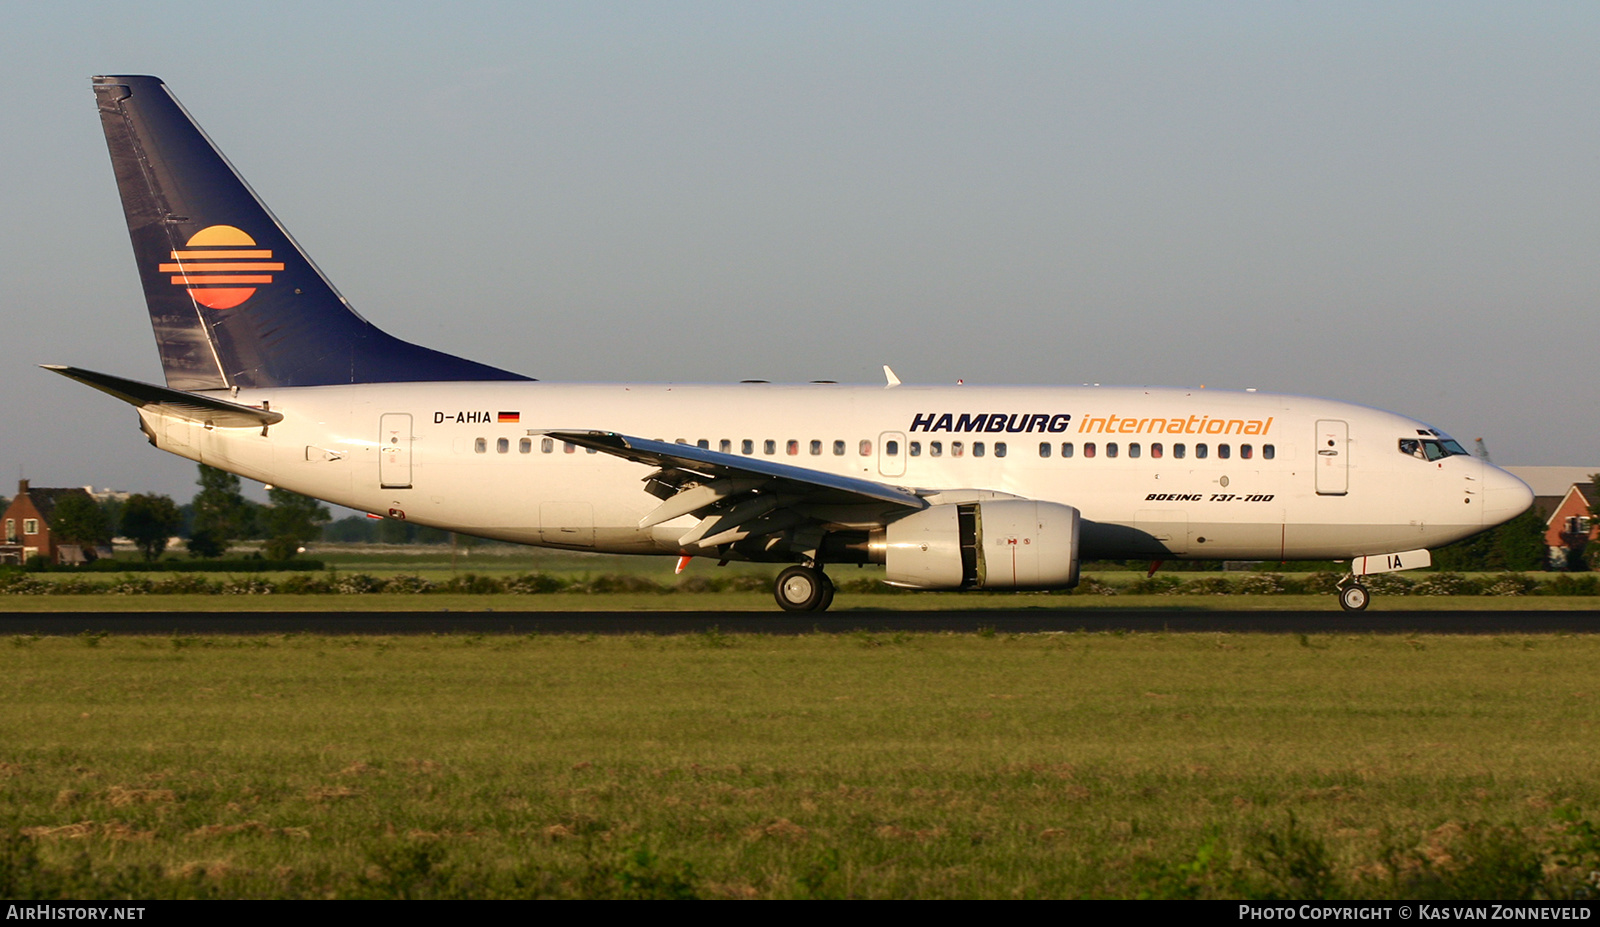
[{"x": 1021, "y": 621}]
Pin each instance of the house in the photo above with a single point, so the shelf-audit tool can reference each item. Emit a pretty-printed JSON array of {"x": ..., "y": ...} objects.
[
  {"x": 27, "y": 527},
  {"x": 1566, "y": 497},
  {"x": 1571, "y": 526}
]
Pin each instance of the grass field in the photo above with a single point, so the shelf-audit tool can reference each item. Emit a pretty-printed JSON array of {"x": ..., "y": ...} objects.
[
  {"x": 420, "y": 578},
  {"x": 509, "y": 578},
  {"x": 821, "y": 765},
  {"x": 843, "y": 607}
]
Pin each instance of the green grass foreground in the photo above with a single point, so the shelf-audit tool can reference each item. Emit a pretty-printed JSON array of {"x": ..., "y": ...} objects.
[
  {"x": 843, "y": 606},
  {"x": 821, "y": 765}
]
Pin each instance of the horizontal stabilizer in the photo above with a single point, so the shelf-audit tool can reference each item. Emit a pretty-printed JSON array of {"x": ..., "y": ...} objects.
[{"x": 191, "y": 406}]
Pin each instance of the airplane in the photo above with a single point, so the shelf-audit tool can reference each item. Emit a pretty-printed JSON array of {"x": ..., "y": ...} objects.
[{"x": 270, "y": 374}]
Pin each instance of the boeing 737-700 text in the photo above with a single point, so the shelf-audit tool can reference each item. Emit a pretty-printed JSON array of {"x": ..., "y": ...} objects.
[{"x": 271, "y": 375}]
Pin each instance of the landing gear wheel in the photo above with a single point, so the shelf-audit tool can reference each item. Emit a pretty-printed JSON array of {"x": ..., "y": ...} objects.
[
  {"x": 1354, "y": 598},
  {"x": 827, "y": 592},
  {"x": 803, "y": 589}
]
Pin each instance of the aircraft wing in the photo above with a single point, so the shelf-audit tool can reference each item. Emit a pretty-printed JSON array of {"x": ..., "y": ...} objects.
[{"x": 738, "y": 497}]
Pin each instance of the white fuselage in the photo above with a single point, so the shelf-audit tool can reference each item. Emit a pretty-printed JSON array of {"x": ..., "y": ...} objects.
[{"x": 1280, "y": 477}]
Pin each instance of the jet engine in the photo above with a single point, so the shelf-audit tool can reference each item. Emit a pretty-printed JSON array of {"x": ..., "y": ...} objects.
[{"x": 999, "y": 544}]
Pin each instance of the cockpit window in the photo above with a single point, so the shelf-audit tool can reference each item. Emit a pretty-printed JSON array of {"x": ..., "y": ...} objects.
[{"x": 1432, "y": 448}]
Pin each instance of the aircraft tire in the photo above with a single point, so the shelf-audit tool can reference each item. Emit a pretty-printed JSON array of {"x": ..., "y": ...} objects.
[
  {"x": 1354, "y": 598},
  {"x": 801, "y": 589},
  {"x": 827, "y": 592}
]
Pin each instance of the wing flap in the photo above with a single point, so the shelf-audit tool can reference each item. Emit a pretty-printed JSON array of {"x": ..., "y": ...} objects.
[{"x": 739, "y": 499}]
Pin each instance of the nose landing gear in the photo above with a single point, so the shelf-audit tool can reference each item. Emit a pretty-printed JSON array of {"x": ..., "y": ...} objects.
[
  {"x": 1354, "y": 597},
  {"x": 803, "y": 589}
]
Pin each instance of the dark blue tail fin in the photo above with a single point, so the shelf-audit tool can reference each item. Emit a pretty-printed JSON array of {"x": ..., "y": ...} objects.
[{"x": 233, "y": 299}]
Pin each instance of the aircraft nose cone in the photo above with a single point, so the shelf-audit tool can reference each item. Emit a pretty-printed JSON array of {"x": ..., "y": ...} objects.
[{"x": 1504, "y": 496}]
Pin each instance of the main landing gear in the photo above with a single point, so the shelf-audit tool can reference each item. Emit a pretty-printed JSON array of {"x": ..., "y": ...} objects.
[
  {"x": 803, "y": 589},
  {"x": 1354, "y": 597}
]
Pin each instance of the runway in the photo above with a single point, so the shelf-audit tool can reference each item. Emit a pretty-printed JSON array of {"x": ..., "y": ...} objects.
[{"x": 1022, "y": 621}]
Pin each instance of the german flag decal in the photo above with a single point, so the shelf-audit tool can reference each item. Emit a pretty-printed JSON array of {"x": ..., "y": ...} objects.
[
  {"x": 509, "y": 417},
  {"x": 221, "y": 267}
]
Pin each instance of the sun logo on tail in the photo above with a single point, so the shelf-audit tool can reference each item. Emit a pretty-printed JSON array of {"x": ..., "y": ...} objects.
[{"x": 220, "y": 267}]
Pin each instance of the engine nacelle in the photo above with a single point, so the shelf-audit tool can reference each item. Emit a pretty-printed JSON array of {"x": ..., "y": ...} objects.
[{"x": 999, "y": 544}]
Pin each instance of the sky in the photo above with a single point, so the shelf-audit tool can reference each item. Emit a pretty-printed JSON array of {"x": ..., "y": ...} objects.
[{"x": 1390, "y": 204}]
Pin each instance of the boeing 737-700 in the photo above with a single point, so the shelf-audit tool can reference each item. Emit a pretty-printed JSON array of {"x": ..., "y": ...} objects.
[{"x": 271, "y": 375}]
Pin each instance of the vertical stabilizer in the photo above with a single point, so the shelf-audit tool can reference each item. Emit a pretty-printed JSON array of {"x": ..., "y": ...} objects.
[{"x": 233, "y": 300}]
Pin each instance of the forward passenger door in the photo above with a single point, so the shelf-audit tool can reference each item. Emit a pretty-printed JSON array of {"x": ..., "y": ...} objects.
[{"x": 1333, "y": 457}]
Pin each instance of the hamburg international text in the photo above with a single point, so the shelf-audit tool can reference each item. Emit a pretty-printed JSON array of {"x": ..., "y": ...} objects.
[{"x": 271, "y": 375}]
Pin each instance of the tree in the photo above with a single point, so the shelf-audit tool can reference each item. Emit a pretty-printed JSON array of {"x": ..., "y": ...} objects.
[
  {"x": 78, "y": 519},
  {"x": 148, "y": 521},
  {"x": 1516, "y": 545},
  {"x": 221, "y": 513},
  {"x": 291, "y": 521},
  {"x": 1520, "y": 542}
]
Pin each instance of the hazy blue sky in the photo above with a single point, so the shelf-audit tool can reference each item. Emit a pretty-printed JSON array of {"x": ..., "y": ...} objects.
[{"x": 1391, "y": 203}]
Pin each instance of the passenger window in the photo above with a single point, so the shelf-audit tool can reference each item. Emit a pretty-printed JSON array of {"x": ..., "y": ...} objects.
[
  {"x": 892, "y": 448},
  {"x": 725, "y": 446},
  {"x": 1246, "y": 452},
  {"x": 935, "y": 448},
  {"x": 568, "y": 447},
  {"x": 1155, "y": 449},
  {"x": 502, "y": 445},
  {"x": 838, "y": 448},
  {"x": 682, "y": 441},
  {"x": 792, "y": 447},
  {"x": 1088, "y": 448},
  {"x": 1133, "y": 450},
  {"x": 816, "y": 448},
  {"x": 703, "y": 444},
  {"x": 590, "y": 450},
  {"x": 1200, "y": 451},
  {"x": 769, "y": 447},
  {"x": 914, "y": 449},
  {"x": 1111, "y": 448},
  {"x": 546, "y": 445},
  {"x": 1268, "y": 451},
  {"x": 977, "y": 448},
  {"x": 1066, "y": 449},
  {"x": 1044, "y": 448},
  {"x": 999, "y": 449},
  {"x": 747, "y": 446},
  {"x": 956, "y": 449},
  {"x": 480, "y": 446},
  {"x": 1180, "y": 451},
  {"x": 1224, "y": 451},
  {"x": 866, "y": 448},
  {"x": 525, "y": 446}
]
